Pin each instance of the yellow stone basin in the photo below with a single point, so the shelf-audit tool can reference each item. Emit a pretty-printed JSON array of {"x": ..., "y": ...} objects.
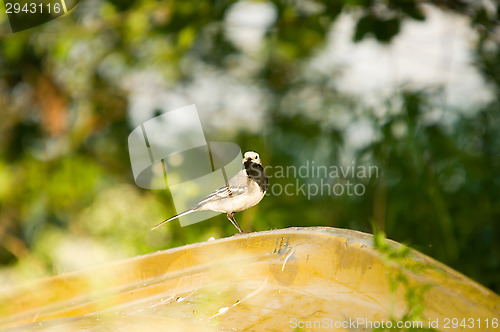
[{"x": 277, "y": 280}]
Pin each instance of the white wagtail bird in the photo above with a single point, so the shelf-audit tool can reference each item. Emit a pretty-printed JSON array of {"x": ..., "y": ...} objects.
[{"x": 244, "y": 190}]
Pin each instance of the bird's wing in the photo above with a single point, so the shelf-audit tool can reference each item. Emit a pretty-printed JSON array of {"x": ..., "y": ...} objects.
[{"x": 236, "y": 186}]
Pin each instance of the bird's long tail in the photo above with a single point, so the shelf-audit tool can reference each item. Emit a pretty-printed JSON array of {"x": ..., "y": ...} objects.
[{"x": 174, "y": 217}]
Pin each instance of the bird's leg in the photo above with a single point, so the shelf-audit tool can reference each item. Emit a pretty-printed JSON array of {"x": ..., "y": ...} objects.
[{"x": 231, "y": 218}]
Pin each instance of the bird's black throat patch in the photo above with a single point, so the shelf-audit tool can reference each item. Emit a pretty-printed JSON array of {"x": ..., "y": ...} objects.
[{"x": 256, "y": 172}]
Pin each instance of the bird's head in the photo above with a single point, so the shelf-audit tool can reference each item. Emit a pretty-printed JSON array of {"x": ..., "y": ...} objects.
[{"x": 252, "y": 156}]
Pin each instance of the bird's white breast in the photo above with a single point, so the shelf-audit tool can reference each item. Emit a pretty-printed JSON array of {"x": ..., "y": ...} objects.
[{"x": 238, "y": 203}]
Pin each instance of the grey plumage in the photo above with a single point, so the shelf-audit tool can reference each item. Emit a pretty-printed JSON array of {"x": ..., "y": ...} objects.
[{"x": 244, "y": 190}]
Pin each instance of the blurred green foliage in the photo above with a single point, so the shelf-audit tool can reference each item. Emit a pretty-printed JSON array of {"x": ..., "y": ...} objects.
[
  {"x": 396, "y": 260},
  {"x": 67, "y": 195}
]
